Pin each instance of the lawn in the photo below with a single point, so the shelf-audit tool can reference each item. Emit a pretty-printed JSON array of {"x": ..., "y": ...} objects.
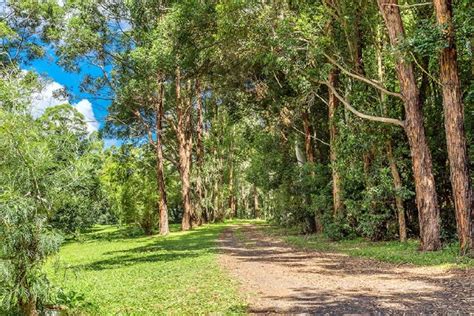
[
  {"x": 112, "y": 271},
  {"x": 388, "y": 251}
]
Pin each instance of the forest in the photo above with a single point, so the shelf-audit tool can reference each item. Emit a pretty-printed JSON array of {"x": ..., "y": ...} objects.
[{"x": 333, "y": 125}]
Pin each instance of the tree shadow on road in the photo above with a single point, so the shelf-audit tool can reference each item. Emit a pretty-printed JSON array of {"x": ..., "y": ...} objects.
[{"x": 410, "y": 289}]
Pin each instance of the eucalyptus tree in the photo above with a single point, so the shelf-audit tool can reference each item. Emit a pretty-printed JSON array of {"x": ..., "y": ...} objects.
[
  {"x": 117, "y": 38},
  {"x": 161, "y": 56},
  {"x": 294, "y": 41},
  {"x": 454, "y": 126},
  {"x": 427, "y": 200},
  {"x": 188, "y": 45}
]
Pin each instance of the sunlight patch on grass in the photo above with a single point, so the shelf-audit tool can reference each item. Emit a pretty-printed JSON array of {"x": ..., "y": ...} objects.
[{"x": 118, "y": 272}]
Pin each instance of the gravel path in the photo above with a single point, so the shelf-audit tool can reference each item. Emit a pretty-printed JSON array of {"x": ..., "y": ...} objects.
[{"x": 278, "y": 279}]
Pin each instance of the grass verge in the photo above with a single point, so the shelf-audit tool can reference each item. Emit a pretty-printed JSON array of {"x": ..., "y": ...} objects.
[
  {"x": 388, "y": 251},
  {"x": 111, "y": 271}
]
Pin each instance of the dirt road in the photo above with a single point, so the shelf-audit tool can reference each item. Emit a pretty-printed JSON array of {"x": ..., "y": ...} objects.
[{"x": 277, "y": 279}]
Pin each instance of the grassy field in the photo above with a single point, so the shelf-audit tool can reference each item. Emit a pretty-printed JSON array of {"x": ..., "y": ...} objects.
[
  {"x": 112, "y": 271},
  {"x": 388, "y": 251},
  {"x": 118, "y": 271}
]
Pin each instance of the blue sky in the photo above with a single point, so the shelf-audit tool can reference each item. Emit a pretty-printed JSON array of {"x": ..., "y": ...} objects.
[{"x": 48, "y": 68}]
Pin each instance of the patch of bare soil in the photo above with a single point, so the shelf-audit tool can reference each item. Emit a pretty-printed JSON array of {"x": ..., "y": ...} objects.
[{"x": 279, "y": 279}]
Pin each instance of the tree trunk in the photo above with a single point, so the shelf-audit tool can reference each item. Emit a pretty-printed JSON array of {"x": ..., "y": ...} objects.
[
  {"x": 162, "y": 204},
  {"x": 28, "y": 308},
  {"x": 232, "y": 187},
  {"x": 397, "y": 183},
  {"x": 454, "y": 125},
  {"x": 313, "y": 222},
  {"x": 185, "y": 145},
  {"x": 300, "y": 157},
  {"x": 426, "y": 197},
  {"x": 246, "y": 204},
  {"x": 232, "y": 204},
  {"x": 333, "y": 103},
  {"x": 308, "y": 142},
  {"x": 199, "y": 157},
  {"x": 256, "y": 206}
]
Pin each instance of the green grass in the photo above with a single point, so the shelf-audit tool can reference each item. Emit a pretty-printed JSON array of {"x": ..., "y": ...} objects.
[
  {"x": 112, "y": 271},
  {"x": 388, "y": 251}
]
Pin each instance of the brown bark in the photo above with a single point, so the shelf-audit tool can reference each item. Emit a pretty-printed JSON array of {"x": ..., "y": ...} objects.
[
  {"x": 162, "y": 204},
  {"x": 183, "y": 110},
  {"x": 426, "y": 197},
  {"x": 256, "y": 206},
  {"x": 308, "y": 142},
  {"x": 314, "y": 222},
  {"x": 397, "y": 183},
  {"x": 199, "y": 157},
  {"x": 232, "y": 199},
  {"x": 28, "y": 308},
  {"x": 454, "y": 125},
  {"x": 332, "y": 104}
]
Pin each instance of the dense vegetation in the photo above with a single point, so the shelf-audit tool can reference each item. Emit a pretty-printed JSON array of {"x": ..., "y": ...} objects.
[{"x": 343, "y": 118}]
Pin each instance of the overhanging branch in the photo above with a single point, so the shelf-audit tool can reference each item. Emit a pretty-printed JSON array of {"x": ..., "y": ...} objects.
[
  {"x": 362, "y": 78},
  {"x": 360, "y": 114}
]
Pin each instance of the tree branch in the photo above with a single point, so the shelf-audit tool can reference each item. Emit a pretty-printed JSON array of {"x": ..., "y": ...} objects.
[
  {"x": 364, "y": 79},
  {"x": 360, "y": 114}
]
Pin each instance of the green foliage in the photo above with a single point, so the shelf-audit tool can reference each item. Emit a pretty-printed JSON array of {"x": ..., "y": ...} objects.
[
  {"x": 26, "y": 243},
  {"x": 47, "y": 185},
  {"x": 128, "y": 178}
]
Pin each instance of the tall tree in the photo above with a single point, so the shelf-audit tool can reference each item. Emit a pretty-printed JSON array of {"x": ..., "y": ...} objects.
[
  {"x": 333, "y": 105},
  {"x": 454, "y": 126},
  {"x": 200, "y": 214},
  {"x": 163, "y": 205},
  {"x": 426, "y": 197},
  {"x": 308, "y": 140},
  {"x": 185, "y": 142},
  {"x": 397, "y": 180}
]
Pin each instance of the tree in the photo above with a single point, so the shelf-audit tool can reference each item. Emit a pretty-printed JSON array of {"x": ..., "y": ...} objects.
[
  {"x": 185, "y": 142},
  {"x": 454, "y": 127},
  {"x": 39, "y": 166},
  {"x": 426, "y": 197}
]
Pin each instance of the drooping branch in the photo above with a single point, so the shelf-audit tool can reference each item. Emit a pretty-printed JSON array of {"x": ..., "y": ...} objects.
[
  {"x": 360, "y": 114},
  {"x": 362, "y": 78}
]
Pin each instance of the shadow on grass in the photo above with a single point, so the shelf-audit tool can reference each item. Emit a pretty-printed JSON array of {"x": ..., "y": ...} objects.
[{"x": 183, "y": 245}]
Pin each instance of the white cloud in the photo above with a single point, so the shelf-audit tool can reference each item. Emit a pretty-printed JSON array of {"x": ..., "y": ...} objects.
[
  {"x": 85, "y": 107},
  {"x": 49, "y": 97}
]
